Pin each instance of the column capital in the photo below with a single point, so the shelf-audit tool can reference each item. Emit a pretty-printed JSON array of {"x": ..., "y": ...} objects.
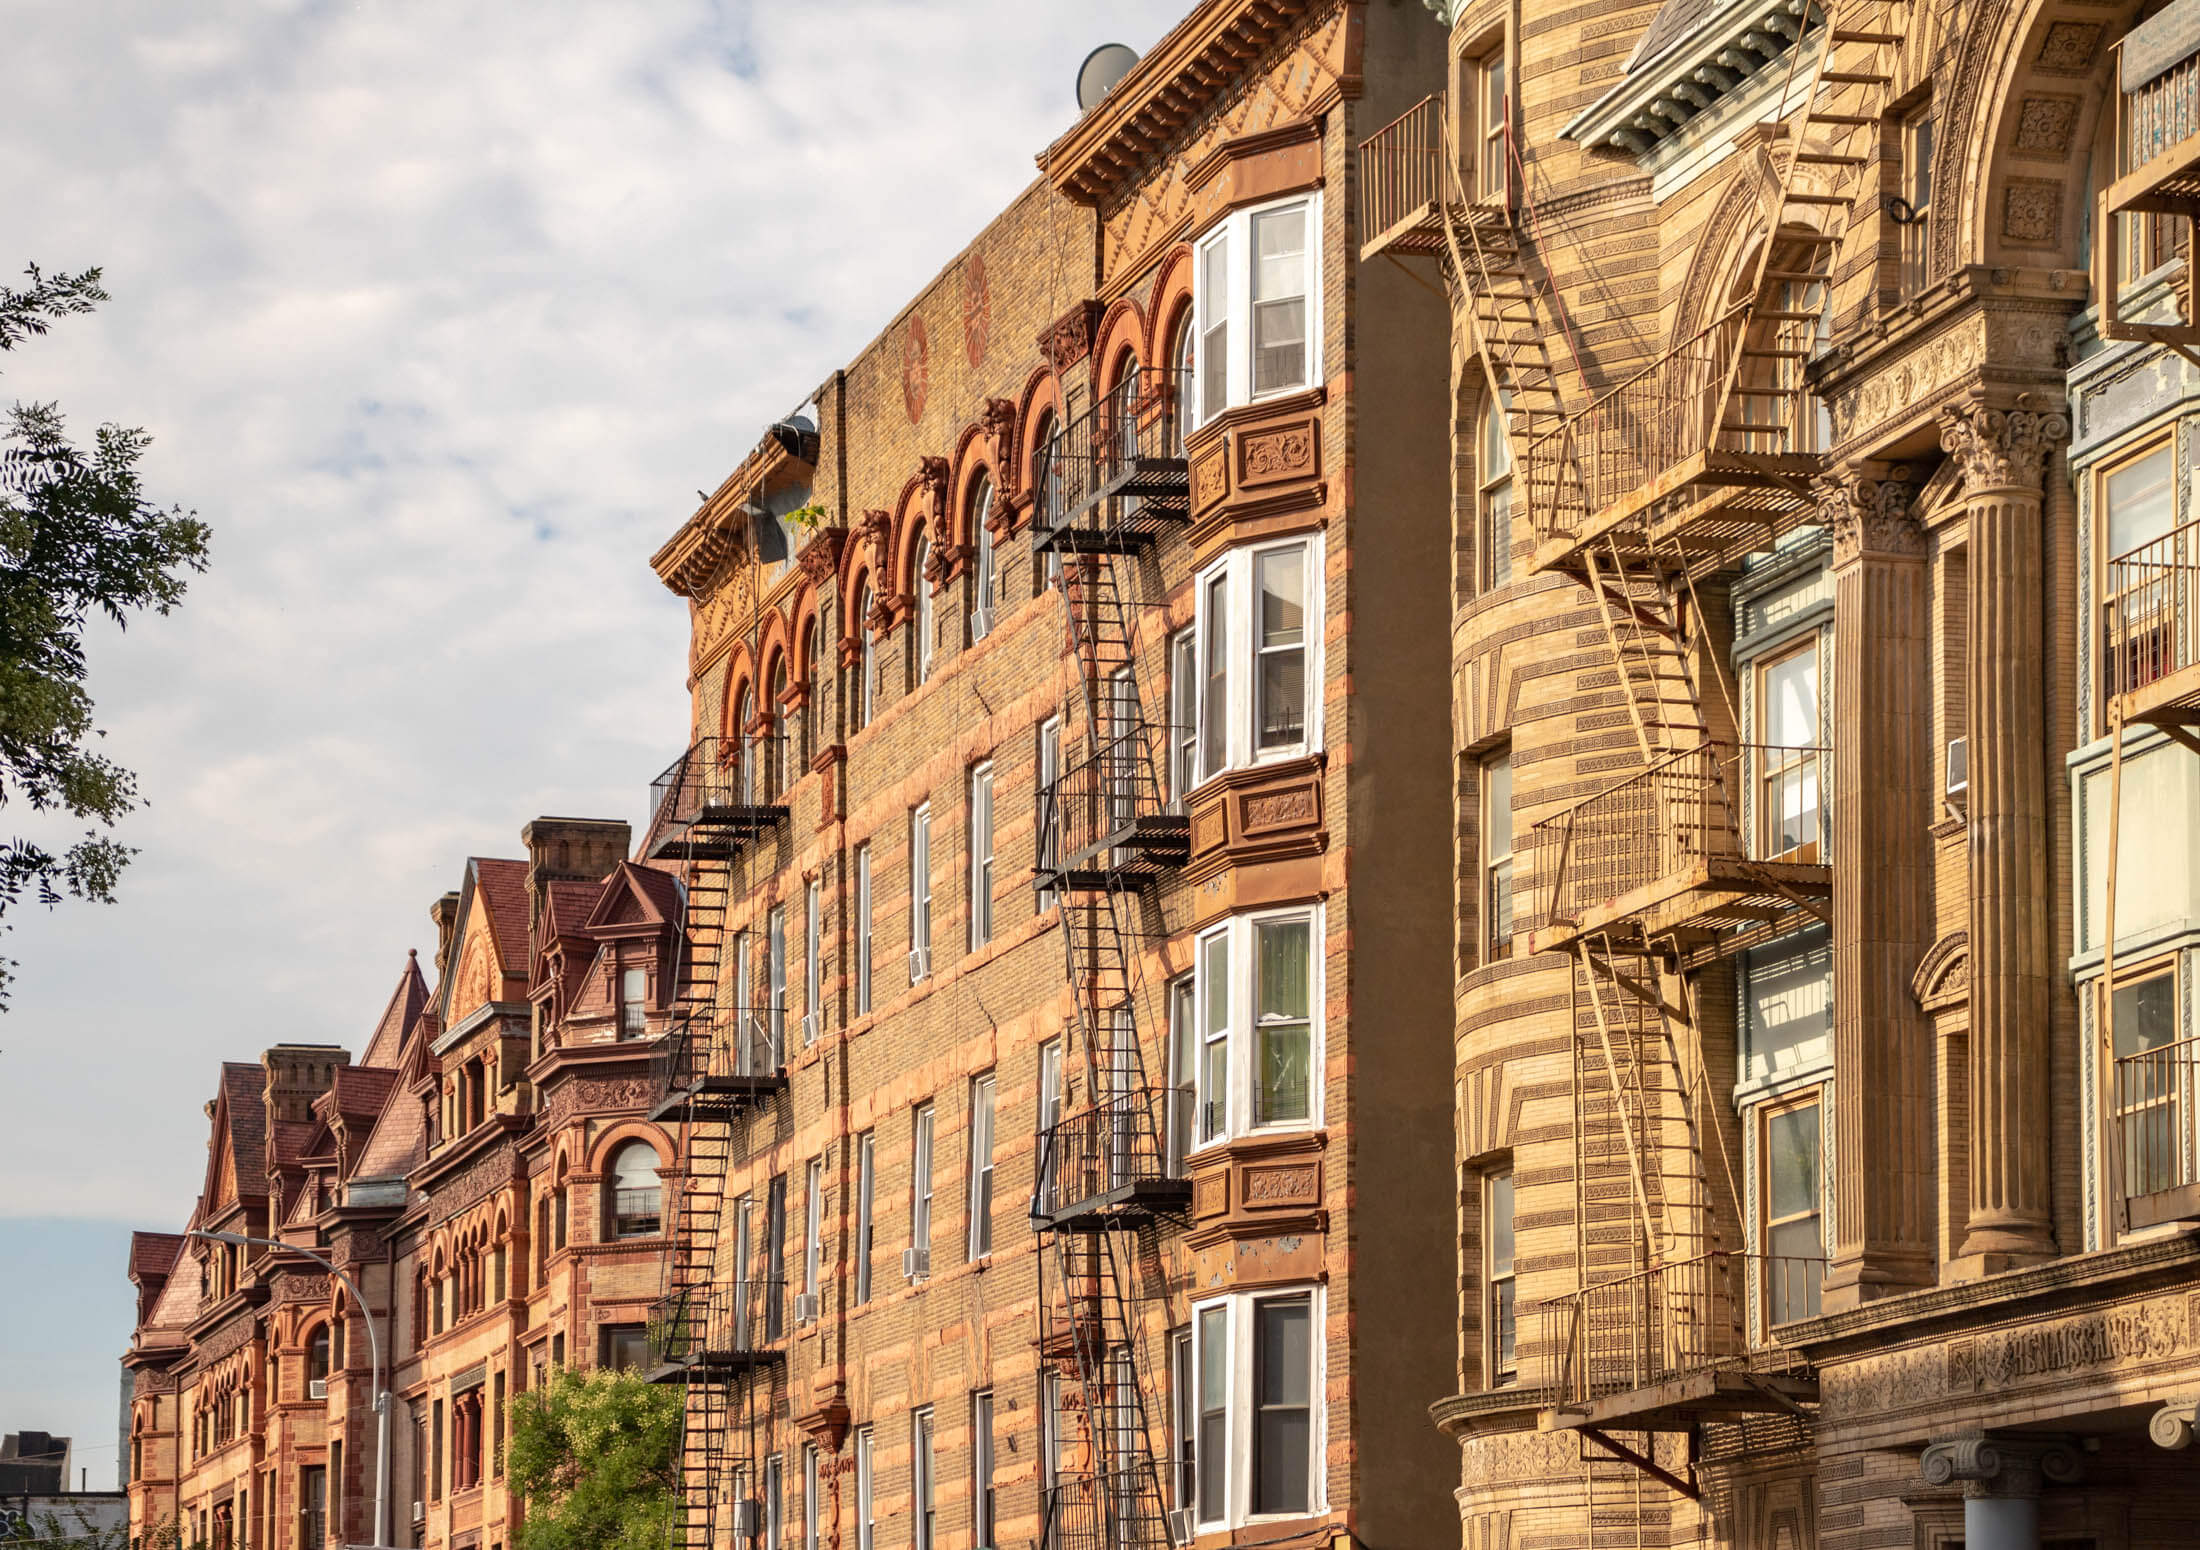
[
  {"x": 1868, "y": 505},
  {"x": 2002, "y": 449},
  {"x": 1990, "y": 1465}
]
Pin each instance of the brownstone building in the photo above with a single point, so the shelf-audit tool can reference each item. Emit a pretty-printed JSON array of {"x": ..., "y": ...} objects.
[
  {"x": 486, "y": 1175},
  {"x": 1059, "y": 1058},
  {"x": 1822, "y": 684}
]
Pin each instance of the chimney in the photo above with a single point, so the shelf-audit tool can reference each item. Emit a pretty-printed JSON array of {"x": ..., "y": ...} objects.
[
  {"x": 444, "y": 912},
  {"x": 297, "y": 1074},
  {"x": 568, "y": 850}
]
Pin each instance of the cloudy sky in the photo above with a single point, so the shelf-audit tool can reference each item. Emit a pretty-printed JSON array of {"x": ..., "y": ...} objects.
[{"x": 440, "y": 314}]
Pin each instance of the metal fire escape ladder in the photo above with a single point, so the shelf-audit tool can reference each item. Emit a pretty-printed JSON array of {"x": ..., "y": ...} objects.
[{"x": 1107, "y": 1495}]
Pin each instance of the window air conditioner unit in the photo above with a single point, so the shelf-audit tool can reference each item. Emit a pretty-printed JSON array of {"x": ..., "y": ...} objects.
[
  {"x": 1959, "y": 769},
  {"x": 747, "y": 1514},
  {"x": 981, "y": 623},
  {"x": 809, "y": 1028},
  {"x": 420, "y": 1512},
  {"x": 805, "y": 1307},
  {"x": 916, "y": 1264},
  {"x": 1180, "y": 1525},
  {"x": 317, "y": 1389},
  {"x": 920, "y": 963}
]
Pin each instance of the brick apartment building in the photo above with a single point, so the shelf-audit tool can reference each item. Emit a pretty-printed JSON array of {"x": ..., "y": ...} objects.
[
  {"x": 1823, "y": 679},
  {"x": 484, "y": 1172},
  {"x": 1059, "y": 1060}
]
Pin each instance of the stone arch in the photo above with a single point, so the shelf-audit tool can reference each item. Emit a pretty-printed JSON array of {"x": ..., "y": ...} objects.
[
  {"x": 803, "y": 634},
  {"x": 973, "y": 459},
  {"x": 618, "y": 1134},
  {"x": 908, "y": 528},
  {"x": 772, "y": 649},
  {"x": 1122, "y": 336},
  {"x": 740, "y": 676}
]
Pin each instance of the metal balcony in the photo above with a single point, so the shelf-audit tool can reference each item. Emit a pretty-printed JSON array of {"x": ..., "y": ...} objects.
[
  {"x": 1704, "y": 455},
  {"x": 2152, "y": 648},
  {"x": 712, "y": 1066},
  {"x": 2151, "y": 1129},
  {"x": 715, "y": 799},
  {"x": 1667, "y": 1347},
  {"x": 2155, "y": 172},
  {"x": 1402, "y": 183},
  {"x": 712, "y": 1334},
  {"x": 1706, "y": 840},
  {"x": 1110, "y": 1165},
  {"x": 1119, "y": 1509},
  {"x": 1108, "y": 820},
  {"x": 1115, "y": 479}
]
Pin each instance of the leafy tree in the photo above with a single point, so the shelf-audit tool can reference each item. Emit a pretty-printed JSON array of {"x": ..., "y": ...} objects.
[
  {"x": 595, "y": 1455},
  {"x": 77, "y": 536},
  {"x": 80, "y": 1531}
]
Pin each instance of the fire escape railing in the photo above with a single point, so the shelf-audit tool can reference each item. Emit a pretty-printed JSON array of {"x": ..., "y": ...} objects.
[
  {"x": 2149, "y": 608},
  {"x": 1402, "y": 176},
  {"x": 1120, "y": 1153},
  {"x": 728, "y": 1323},
  {"x": 1116, "y": 475},
  {"x": 1113, "y": 806}
]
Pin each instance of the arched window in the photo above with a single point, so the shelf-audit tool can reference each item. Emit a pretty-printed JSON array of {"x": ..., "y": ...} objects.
[
  {"x": 865, "y": 699},
  {"x": 1125, "y": 410},
  {"x": 634, "y": 1191},
  {"x": 542, "y": 1239},
  {"x": 986, "y": 586},
  {"x": 1494, "y": 468},
  {"x": 789, "y": 747},
  {"x": 557, "y": 1240},
  {"x": 920, "y": 649},
  {"x": 806, "y": 722},
  {"x": 745, "y": 772},
  {"x": 336, "y": 1339},
  {"x": 317, "y": 1363},
  {"x": 1181, "y": 357}
]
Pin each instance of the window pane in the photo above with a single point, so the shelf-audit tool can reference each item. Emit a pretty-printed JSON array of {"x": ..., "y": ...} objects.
[
  {"x": 1279, "y": 586},
  {"x": 1214, "y": 1076},
  {"x": 1497, "y": 806},
  {"x": 2146, "y": 1014},
  {"x": 1284, "y": 959},
  {"x": 1499, "y": 1227},
  {"x": 2141, "y": 503},
  {"x": 1791, "y": 700},
  {"x": 1213, "y": 1447},
  {"x": 1279, "y": 299},
  {"x": 1791, "y": 1163},
  {"x": 1215, "y": 708},
  {"x": 1283, "y": 1400},
  {"x": 1214, "y": 344}
]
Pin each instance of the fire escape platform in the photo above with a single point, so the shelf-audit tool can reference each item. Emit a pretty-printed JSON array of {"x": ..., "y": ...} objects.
[
  {"x": 717, "y": 1099},
  {"x": 1419, "y": 232},
  {"x": 1678, "y": 1403},
  {"x": 1127, "y": 1205},
  {"x": 1126, "y": 857},
  {"x": 718, "y": 832},
  {"x": 2172, "y": 700},
  {"x": 1716, "y": 894},
  {"x": 714, "y": 1366},
  {"x": 1712, "y": 504}
]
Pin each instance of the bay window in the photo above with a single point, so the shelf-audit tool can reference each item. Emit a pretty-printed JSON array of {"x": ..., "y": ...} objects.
[
  {"x": 1258, "y": 624},
  {"x": 1255, "y": 995},
  {"x": 1258, "y": 302},
  {"x": 1256, "y": 1448}
]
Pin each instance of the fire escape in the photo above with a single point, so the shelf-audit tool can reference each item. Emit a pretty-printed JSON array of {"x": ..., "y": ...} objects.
[
  {"x": 1709, "y": 845},
  {"x": 2150, "y": 633},
  {"x": 718, "y": 1064},
  {"x": 1110, "y": 487}
]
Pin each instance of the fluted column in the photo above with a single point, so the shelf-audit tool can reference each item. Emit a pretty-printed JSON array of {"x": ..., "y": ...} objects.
[
  {"x": 1882, "y": 903},
  {"x": 2001, "y": 454}
]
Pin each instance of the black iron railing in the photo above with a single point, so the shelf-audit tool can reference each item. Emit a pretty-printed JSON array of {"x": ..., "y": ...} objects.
[
  {"x": 720, "y": 781},
  {"x": 1120, "y": 1149},
  {"x": 1119, "y": 1509},
  {"x": 731, "y": 1045},
  {"x": 1116, "y": 475},
  {"x": 2155, "y": 1091},
  {"x": 1114, "y": 797},
  {"x": 731, "y": 1321}
]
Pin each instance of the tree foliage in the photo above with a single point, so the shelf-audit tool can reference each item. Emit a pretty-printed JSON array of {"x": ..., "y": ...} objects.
[
  {"x": 596, "y": 1457},
  {"x": 77, "y": 538},
  {"x": 79, "y": 1530}
]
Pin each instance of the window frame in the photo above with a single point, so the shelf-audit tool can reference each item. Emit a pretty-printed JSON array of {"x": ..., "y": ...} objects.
[
  {"x": 1772, "y": 763},
  {"x": 813, "y": 1225},
  {"x": 866, "y": 1211},
  {"x": 981, "y": 854},
  {"x": 1492, "y": 67},
  {"x": 863, "y": 929},
  {"x": 923, "y": 1478},
  {"x": 813, "y": 956},
  {"x": 1238, "y": 1464},
  {"x": 985, "y": 1518},
  {"x": 2105, "y": 602},
  {"x": 923, "y": 1134},
  {"x": 1047, "y": 838},
  {"x": 985, "y": 567},
  {"x": 866, "y": 1448},
  {"x": 1494, "y": 565},
  {"x": 1238, "y": 1037},
  {"x": 1494, "y": 901},
  {"x": 1810, "y": 1096},
  {"x": 923, "y": 618},
  {"x": 920, "y": 893},
  {"x": 984, "y": 1149},
  {"x": 1500, "y": 1283},
  {"x": 1234, "y": 649},
  {"x": 1229, "y": 327}
]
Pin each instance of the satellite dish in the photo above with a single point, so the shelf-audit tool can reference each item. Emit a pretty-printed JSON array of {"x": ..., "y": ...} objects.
[{"x": 1102, "y": 68}]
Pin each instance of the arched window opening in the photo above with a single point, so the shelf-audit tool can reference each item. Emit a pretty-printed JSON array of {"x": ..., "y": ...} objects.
[
  {"x": 634, "y": 1191},
  {"x": 864, "y": 700},
  {"x": 744, "y": 742},
  {"x": 920, "y": 649},
  {"x": 806, "y": 721},
  {"x": 317, "y": 1363},
  {"x": 1181, "y": 355},
  {"x": 986, "y": 584},
  {"x": 782, "y": 723}
]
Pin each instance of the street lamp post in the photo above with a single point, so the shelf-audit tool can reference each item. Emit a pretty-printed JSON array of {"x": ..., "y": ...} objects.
[{"x": 374, "y": 1348}]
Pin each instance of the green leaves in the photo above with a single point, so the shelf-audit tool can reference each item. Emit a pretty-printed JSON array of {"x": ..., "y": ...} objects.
[
  {"x": 596, "y": 1456},
  {"x": 77, "y": 536}
]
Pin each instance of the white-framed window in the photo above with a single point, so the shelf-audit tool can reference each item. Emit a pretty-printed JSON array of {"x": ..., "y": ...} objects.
[
  {"x": 866, "y": 1496},
  {"x": 920, "y": 1179},
  {"x": 866, "y": 1193},
  {"x": 1050, "y": 771},
  {"x": 923, "y": 1475},
  {"x": 813, "y": 961},
  {"x": 863, "y": 929},
  {"x": 1494, "y": 468},
  {"x": 1184, "y": 357},
  {"x": 1791, "y": 1209},
  {"x": 1497, "y": 856},
  {"x": 813, "y": 1223},
  {"x": 1490, "y": 94},
  {"x": 920, "y": 891},
  {"x": 1183, "y": 1424},
  {"x": 1054, "y": 1432},
  {"x": 1258, "y": 994},
  {"x": 981, "y": 855},
  {"x": 920, "y": 650},
  {"x": 866, "y": 662},
  {"x": 1257, "y": 298},
  {"x": 810, "y": 1493},
  {"x": 1500, "y": 1344},
  {"x": 774, "y": 1503},
  {"x": 1790, "y": 783},
  {"x": 1259, "y": 646},
  {"x": 986, "y": 578},
  {"x": 1917, "y": 192},
  {"x": 1183, "y": 998},
  {"x": 984, "y": 1498},
  {"x": 981, "y": 1166},
  {"x": 775, "y": 970},
  {"x": 633, "y": 1003},
  {"x": 1257, "y": 1439},
  {"x": 1183, "y": 731}
]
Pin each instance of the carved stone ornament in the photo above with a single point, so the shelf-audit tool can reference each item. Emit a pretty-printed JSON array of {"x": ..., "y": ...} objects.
[
  {"x": 1068, "y": 339},
  {"x": 916, "y": 369},
  {"x": 1000, "y": 441},
  {"x": 1871, "y": 516},
  {"x": 877, "y": 530},
  {"x": 2001, "y": 449},
  {"x": 821, "y": 555},
  {"x": 1989, "y": 1466}
]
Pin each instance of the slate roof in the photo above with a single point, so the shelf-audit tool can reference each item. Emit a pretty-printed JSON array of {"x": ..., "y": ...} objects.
[
  {"x": 388, "y": 1039},
  {"x": 1675, "y": 20},
  {"x": 399, "y": 1141},
  {"x": 154, "y": 1254},
  {"x": 244, "y": 1088},
  {"x": 360, "y": 1091},
  {"x": 501, "y": 886}
]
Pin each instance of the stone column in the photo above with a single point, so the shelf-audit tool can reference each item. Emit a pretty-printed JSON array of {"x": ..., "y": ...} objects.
[
  {"x": 2002, "y": 1478},
  {"x": 2000, "y": 454},
  {"x": 1882, "y": 781}
]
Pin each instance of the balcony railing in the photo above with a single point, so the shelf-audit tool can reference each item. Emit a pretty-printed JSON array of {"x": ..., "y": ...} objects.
[
  {"x": 1113, "y": 1158},
  {"x": 731, "y": 1324},
  {"x": 1402, "y": 182},
  {"x": 1112, "y": 809},
  {"x": 1115, "y": 477},
  {"x": 1118, "y": 1509},
  {"x": 2144, "y": 214},
  {"x": 1682, "y": 824},
  {"x": 722, "y": 1059},
  {"x": 719, "y": 792},
  {"x": 2148, "y": 626},
  {"x": 2152, "y": 1117},
  {"x": 1694, "y": 1319}
]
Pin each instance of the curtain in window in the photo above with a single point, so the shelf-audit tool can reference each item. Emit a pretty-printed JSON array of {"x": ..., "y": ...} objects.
[{"x": 1283, "y": 1026}]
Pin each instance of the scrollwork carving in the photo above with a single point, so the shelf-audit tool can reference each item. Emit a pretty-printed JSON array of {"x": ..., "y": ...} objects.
[
  {"x": 1871, "y": 515},
  {"x": 2001, "y": 449}
]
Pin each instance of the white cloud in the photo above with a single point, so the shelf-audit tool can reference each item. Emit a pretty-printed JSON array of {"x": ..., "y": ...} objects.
[{"x": 440, "y": 314}]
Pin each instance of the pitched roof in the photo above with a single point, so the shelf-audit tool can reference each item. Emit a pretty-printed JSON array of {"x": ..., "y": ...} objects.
[
  {"x": 571, "y": 903},
  {"x": 359, "y": 1091},
  {"x": 398, "y": 1142},
  {"x": 1675, "y": 20},
  {"x": 405, "y": 1002},
  {"x": 660, "y": 887},
  {"x": 178, "y": 1303},
  {"x": 292, "y": 1141},
  {"x": 244, "y": 1088},
  {"x": 154, "y": 1253},
  {"x": 501, "y": 886}
]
